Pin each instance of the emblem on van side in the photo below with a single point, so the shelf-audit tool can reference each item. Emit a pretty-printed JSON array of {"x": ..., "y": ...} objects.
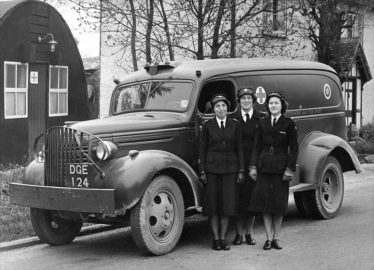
[
  {"x": 327, "y": 91},
  {"x": 260, "y": 94}
]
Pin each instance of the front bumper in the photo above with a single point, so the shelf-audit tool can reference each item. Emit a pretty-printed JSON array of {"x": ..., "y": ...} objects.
[{"x": 82, "y": 200}]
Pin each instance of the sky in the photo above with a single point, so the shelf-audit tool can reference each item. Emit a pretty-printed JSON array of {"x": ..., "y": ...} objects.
[{"x": 88, "y": 41}]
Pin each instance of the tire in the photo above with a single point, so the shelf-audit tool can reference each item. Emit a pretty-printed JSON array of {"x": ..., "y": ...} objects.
[
  {"x": 52, "y": 229},
  {"x": 158, "y": 218},
  {"x": 325, "y": 201}
]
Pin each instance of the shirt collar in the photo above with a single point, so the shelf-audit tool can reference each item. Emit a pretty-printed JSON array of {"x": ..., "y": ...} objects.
[
  {"x": 250, "y": 113},
  {"x": 277, "y": 118},
  {"x": 219, "y": 121}
]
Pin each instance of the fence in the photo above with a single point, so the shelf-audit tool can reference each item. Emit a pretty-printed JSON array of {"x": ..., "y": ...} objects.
[{"x": 362, "y": 140}]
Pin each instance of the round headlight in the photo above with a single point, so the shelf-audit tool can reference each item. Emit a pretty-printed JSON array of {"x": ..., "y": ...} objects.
[{"x": 105, "y": 150}]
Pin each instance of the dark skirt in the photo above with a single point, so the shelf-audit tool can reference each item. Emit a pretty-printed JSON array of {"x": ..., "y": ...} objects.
[
  {"x": 245, "y": 195},
  {"x": 270, "y": 195},
  {"x": 219, "y": 198}
]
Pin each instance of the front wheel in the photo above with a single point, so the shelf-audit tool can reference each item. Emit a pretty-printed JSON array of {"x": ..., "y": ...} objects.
[
  {"x": 52, "y": 229},
  {"x": 325, "y": 201},
  {"x": 157, "y": 219}
]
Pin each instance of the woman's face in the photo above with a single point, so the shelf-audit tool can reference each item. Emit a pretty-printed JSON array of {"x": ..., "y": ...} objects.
[
  {"x": 246, "y": 102},
  {"x": 220, "y": 109},
  {"x": 275, "y": 106}
]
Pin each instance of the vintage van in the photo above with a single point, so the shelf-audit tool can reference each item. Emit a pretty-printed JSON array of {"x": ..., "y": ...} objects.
[{"x": 140, "y": 163}]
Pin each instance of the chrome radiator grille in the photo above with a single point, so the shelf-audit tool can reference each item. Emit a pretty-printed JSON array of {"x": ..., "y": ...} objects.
[{"x": 61, "y": 146}]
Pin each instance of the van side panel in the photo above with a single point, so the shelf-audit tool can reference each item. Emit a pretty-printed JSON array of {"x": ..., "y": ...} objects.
[{"x": 314, "y": 98}]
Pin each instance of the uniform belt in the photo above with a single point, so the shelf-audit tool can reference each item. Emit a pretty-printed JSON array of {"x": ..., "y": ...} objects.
[{"x": 271, "y": 150}]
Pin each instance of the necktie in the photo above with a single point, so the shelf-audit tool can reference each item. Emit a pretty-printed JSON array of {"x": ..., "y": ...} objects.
[
  {"x": 274, "y": 121},
  {"x": 246, "y": 117},
  {"x": 222, "y": 126}
]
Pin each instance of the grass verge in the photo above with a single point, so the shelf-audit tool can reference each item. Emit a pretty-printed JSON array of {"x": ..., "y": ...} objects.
[{"x": 15, "y": 220}]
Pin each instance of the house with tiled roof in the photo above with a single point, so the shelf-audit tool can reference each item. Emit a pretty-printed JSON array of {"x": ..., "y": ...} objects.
[{"x": 354, "y": 73}]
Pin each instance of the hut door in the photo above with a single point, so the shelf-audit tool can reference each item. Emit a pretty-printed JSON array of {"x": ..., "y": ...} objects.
[{"x": 38, "y": 89}]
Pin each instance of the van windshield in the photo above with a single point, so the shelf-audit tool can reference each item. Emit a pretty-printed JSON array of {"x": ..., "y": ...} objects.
[{"x": 155, "y": 95}]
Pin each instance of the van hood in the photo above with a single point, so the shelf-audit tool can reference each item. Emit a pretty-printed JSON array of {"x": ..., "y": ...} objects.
[{"x": 137, "y": 121}]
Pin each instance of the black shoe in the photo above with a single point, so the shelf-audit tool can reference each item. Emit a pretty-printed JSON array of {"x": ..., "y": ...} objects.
[
  {"x": 249, "y": 240},
  {"x": 238, "y": 239},
  {"x": 216, "y": 245},
  {"x": 224, "y": 245},
  {"x": 267, "y": 245},
  {"x": 275, "y": 244}
]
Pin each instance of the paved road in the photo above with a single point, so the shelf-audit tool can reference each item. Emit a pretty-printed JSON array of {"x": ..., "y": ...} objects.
[{"x": 346, "y": 242}]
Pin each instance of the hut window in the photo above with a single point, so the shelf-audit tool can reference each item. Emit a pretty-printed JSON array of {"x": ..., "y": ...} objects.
[
  {"x": 15, "y": 90},
  {"x": 58, "y": 90}
]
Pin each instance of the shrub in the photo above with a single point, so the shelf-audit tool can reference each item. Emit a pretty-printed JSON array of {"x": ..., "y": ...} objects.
[
  {"x": 367, "y": 133},
  {"x": 352, "y": 131},
  {"x": 14, "y": 220}
]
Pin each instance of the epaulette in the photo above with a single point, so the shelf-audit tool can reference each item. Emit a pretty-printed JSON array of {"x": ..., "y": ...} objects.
[
  {"x": 207, "y": 120},
  {"x": 262, "y": 114}
]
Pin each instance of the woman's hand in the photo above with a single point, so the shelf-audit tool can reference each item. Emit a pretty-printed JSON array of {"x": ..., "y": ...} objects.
[
  {"x": 288, "y": 175},
  {"x": 203, "y": 179},
  {"x": 240, "y": 179},
  {"x": 253, "y": 174}
]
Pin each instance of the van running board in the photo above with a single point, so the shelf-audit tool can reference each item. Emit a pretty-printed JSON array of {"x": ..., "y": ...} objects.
[{"x": 302, "y": 187}]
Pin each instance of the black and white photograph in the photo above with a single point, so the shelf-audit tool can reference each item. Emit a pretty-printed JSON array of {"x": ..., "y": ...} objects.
[{"x": 195, "y": 134}]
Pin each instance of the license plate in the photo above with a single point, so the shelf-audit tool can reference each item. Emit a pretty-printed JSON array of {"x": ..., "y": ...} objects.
[{"x": 79, "y": 175}]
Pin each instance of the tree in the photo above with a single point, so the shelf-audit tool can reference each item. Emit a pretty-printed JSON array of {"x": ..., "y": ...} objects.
[
  {"x": 326, "y": 20},
  {"x": 157, "y": 30}
]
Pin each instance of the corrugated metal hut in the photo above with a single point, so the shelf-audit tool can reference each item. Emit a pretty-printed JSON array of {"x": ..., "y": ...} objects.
[{"x": 42, "y": 80}]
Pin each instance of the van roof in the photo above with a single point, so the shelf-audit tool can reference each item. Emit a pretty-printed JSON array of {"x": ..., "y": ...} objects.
[{"x": 212, "y": 67}]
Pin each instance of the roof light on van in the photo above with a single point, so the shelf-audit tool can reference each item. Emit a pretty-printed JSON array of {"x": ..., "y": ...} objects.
[{"x": 156, "y": 66}]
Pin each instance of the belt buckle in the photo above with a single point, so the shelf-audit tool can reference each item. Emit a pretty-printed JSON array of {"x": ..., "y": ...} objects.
[{"x": 271, "y": 151}]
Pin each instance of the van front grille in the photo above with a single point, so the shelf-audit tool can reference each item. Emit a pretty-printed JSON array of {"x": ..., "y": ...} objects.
[{"x": 62, "y": 146}]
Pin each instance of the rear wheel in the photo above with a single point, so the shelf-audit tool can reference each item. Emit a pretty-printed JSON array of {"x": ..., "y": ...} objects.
[
  {"x": 52, "y": 229},
  {"x": 157, "y": 219},
  {"x": 325, "y": 201}
]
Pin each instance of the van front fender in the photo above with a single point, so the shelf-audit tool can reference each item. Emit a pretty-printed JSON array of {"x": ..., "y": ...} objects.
[
  {"x": 314, "y": 150},
  {"x": 130, "y": 176}
]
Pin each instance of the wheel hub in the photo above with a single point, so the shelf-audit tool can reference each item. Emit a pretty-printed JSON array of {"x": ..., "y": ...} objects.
[
  {"x": 325, "y": 188},
  {"x": 331, "y": 190},
  {"x": 161, "y": 215}
]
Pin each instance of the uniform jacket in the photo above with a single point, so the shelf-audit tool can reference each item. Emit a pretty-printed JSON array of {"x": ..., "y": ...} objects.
[
  {"x": 276, "y": 148},
  {"x": 221, "y": 150},
  {"x": 248, "y": 130}
]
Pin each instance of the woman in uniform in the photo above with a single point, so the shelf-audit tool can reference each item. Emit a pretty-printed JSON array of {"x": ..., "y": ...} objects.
[
  {"x": 272, "y": 163},
  {"x": 221, "y": 168},
  {"x": 248, "y": 119}
]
